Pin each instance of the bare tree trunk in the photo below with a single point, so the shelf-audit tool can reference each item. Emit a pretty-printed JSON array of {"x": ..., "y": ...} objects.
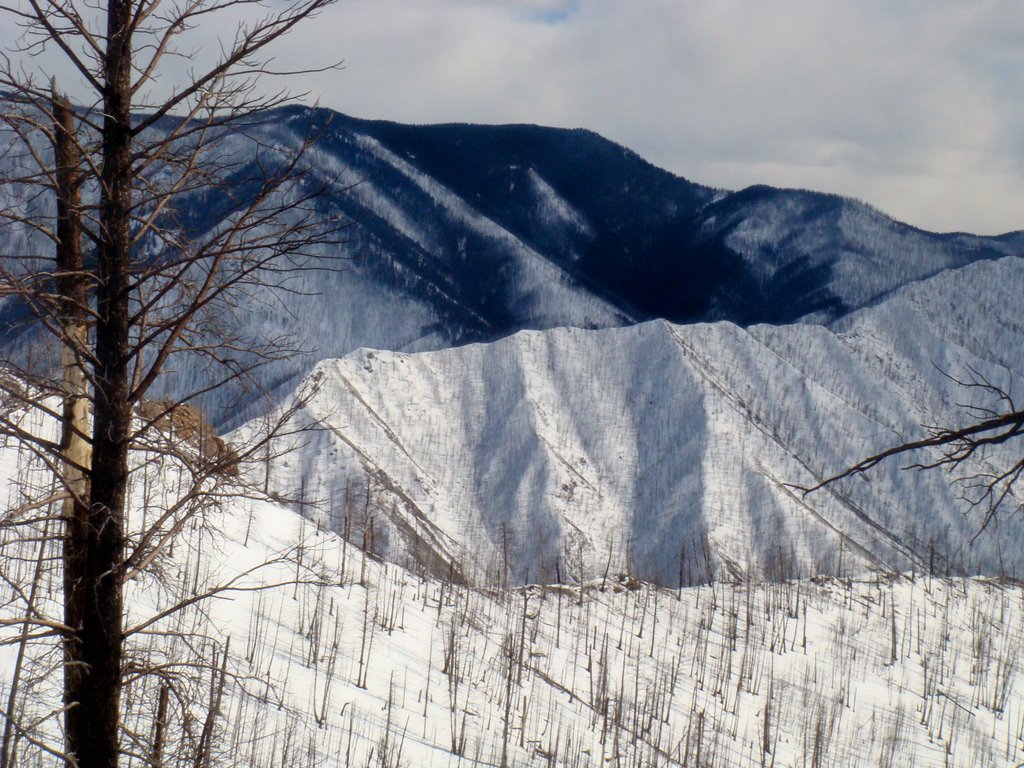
[
  {"x": 75, "y": 448},
  {"x": 217, "y": 679},
  {"x": 157, "y": 758},
  {"x": 93, "y": 724}
]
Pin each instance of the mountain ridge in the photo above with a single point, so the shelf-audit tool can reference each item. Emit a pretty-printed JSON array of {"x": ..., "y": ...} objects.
[
  {"x": 647, "y": 447},
  {"x": 468, "y": 233}
]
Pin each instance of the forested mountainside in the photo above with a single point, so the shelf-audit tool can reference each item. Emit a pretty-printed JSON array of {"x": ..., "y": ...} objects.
[
  {"x": 658, "y": 245},
  {"x": 667, "y": 451},
  {"x": 466, "y": 233}
]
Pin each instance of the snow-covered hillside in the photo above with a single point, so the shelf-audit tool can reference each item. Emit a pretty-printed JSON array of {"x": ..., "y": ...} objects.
[
  {"x": 664, "y": 451},
  {"x": 801, "y": 243},
  {"x": 312, "y": 653}
]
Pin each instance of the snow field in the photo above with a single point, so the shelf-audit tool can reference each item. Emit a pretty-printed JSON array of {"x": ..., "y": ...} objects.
[{"x": 311, "y": 652}]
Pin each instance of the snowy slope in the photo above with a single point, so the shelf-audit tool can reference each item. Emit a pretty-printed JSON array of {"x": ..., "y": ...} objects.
[
  {"x": 836, "y": 253},
  {"x": 329, "y": 657},
  {"x": 645, "y": 449}
]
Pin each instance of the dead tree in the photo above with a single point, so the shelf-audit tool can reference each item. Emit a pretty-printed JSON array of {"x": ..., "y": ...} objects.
[
  {"x": 76, "y": 451},
  {"x": 148, "y": 291},
  {"x": 963, "y": 450}
]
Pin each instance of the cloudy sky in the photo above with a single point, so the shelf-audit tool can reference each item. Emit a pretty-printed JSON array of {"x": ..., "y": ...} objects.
[{"x": 916, "y": 106}]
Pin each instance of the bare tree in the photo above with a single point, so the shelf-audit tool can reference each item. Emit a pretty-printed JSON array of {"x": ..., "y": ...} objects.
[
  {"x": 126, "y": 169},
  {"x": 963, "y": 451}
]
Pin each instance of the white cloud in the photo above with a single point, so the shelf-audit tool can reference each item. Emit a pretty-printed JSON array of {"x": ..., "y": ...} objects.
[{"x": 913, "y": 106}]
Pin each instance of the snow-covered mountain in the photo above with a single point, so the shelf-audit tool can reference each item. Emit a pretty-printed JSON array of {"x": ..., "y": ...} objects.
[
  {"x": 467, "y": 233},
  {"x": 666, "y": 451}
]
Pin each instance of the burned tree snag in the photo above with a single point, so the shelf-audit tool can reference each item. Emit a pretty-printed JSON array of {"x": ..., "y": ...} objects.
[{"x": 76, "y": 451}]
